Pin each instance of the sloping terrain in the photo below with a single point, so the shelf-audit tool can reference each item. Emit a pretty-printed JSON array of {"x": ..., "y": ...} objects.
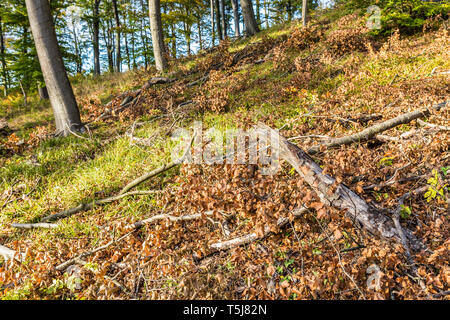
[{"x": 329, "y": 80}]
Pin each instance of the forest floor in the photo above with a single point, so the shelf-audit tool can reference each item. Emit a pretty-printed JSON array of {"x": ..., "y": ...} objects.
[{"x": 331, "y": 79}]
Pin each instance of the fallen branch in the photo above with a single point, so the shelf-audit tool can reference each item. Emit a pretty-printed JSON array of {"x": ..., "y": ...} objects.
[
  {"x": 337, "y": 195},
  {"x": 67, "y": 263},
  {"x": 403, "y": 239},
  {"x": 134, "y": 227},
  {"x": 34, "y": 225},
  {"x": 7, "y": 253},
  {"x": 233, "y": 243},
  {"x": 130, "y": 99},
  {"x": 171, "y": 218},
  {"x": 88, "y": 206},
  {"x": 434, "y": 126},
  {"x": 372, "y": 131}
]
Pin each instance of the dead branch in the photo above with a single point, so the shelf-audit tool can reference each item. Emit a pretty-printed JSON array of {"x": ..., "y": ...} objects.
[
  {"x": 404, "y": 240},
  {"x": 434, "y": 126},
  {"x": 233, "y": 243},
  {"x": 7, "y": 253},
  {"x": 337, "y": 195},
  {"x": 34, "y": 225},
  {"x": 88, "y": 206},
  {"x": 134, "y": 227},
  {"x": 171, "y": 218},
  {"x": 372, "y": 131},
  {"x": 67, "y": 263}
]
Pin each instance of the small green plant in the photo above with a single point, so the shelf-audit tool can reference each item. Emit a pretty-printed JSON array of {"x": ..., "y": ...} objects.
[
  {"x": 435, "y": 189},
  {"x": 386, "y": 161},
  {"x": 405, "y": 212}
]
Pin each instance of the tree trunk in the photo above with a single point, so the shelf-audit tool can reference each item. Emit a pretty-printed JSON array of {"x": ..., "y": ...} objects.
[
  {"x": 95, "y": 37},
  {"x": 235, "y": 5},
  {"x": 116, "y": 17},
  {"x": 43, "y": 93},
  {"x": 3, "y": 59},
  {"x": 78, "y": 60},
  {"x": 199, "y": 28},
  {"x": 266, "y": 13},
  {"x": 224, "y": 19},
  {"x": 127, "y": 51},
  {"x": 213, "y": 27},
  {"x": 251, "y": 27},
  {"x": 62, "y": 99},
  {"x": 258, "y": 14},
  {"x": 305, "y": 12},
  {"x": 218, "y": 20},
  {"x": 157, "y": 34}
]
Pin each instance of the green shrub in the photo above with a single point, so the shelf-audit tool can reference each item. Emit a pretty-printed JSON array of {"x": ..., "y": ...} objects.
[{"x": 408, "y": 16}]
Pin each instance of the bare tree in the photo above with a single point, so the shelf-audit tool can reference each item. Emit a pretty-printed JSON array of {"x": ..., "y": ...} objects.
[
  {"x": 251, "y": 27},
  {"x": 157, "y": 34},
  {"x": 62, "y": 99}
]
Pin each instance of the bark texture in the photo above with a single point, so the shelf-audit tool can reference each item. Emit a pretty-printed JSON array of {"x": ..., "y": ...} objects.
[
  {"x": 157, "y": 34},
  {"x": 251, "y": 26},
  {"x": 62, "y": 99},
  {"x": 338, "y": 195}
]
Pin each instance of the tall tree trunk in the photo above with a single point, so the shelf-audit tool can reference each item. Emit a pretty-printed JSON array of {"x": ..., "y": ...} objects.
[
  {"x": 79, "y": 60},
  {"x": 224, "y": 19},
  {"x": 218, "y": 19},
  {"x": 235, "y": 5},
  {"x": 3, "y": 59},
  {"x": 95, "y": 37},
  {"x": 157, "y": 34},
  {"x": 266, "y": 13},
  {"x": 199, "y": 29},
  {"x": 305, "y": 12},
  {"x": 117, "y": 18},
  {"x": 127, "y": 51},
  {"x": 251, "y": 27},
  {"x": 62, "y": 99},
  {"x": 258, "y": 12},
  {"x": 213, "y": 27},
  {"x": 174, "y": 40},
  {"x": 43, "y": 93}
]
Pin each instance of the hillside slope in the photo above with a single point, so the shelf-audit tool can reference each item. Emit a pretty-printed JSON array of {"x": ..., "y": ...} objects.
[{"x": 331, "y": 79}]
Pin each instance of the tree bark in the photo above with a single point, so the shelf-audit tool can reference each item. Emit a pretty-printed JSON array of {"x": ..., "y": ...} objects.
[
  {"x": 213, "y": 27},
  {"x": 117, "y": 18},
  {"x": 62, "y": 99},
  {"x": 219, "y": 19},
  {"x": 305, "y": 12},
  {"x": 95, "y": 37},
  {"x": 224, "y": 19},
  {"x": 3, "y": 59},
  {"x": 235, "y": 5},
  {"x": 43, "y": 92},
  {"x": 251, "y": 27},
  {"x": 157, "y": 34},
  {"x": 337, "y": 195},
  {"x": 199, "y": 29}
]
